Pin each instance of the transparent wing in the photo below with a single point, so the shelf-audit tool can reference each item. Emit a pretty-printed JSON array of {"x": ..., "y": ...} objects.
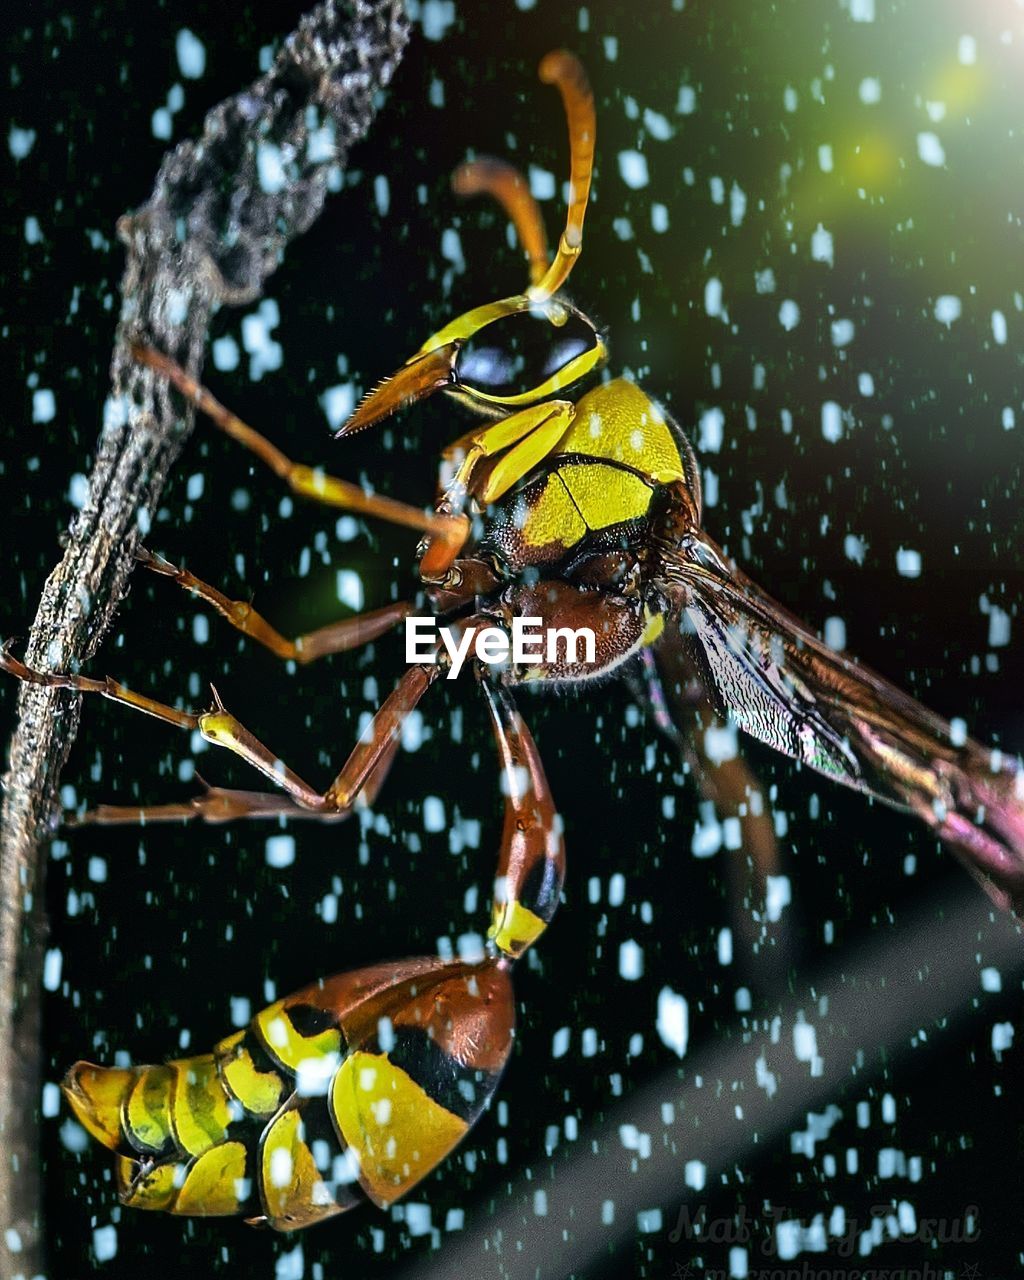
[
  {"x": 785, "y": 687},
  {"x": 764, "y": 692}
]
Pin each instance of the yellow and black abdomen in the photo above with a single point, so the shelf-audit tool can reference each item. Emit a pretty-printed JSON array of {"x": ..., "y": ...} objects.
[{"x": 352, "y": 1089}]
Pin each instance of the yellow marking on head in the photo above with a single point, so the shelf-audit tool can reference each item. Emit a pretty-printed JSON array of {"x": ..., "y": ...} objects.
[
  {"x": 213, "y": 1182},
  {"x": 398, "y": 1131},
  {"x": 466, "y": 326},
  {"x": 533, "y": 448},
  {"x": 471, "y": 322},
  {"x": 96, "y": 1095},
  {"x": 605, "y": 495},
  {"x": 147, "y": 1112},
  {"x": 552, "y": 518},
  {"x": 258, "y": 1091},
  {"x": 153, "y": 1190},
  {"x": 569, "y": 373},
  {"x": 286, "y": 1045},
  {"x": 293, "y": 1193},
  {"x": 200, "y": 1111},
  {"x": 619, "y": 422},
  {"x": 514, "y": 927}
]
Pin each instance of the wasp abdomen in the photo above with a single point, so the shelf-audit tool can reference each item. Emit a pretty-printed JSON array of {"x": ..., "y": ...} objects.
[{"x": 352, "y": 1089}]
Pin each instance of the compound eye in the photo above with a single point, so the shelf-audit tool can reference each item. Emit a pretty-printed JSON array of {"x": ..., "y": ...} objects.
[{"x": 527, "y": 351}]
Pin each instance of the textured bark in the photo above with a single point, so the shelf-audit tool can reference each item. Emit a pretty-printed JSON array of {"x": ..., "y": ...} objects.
[{"x": 210, "y": 234}]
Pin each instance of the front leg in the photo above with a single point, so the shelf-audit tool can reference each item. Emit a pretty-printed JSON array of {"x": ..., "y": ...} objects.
[{"x": 304, "y": 481}]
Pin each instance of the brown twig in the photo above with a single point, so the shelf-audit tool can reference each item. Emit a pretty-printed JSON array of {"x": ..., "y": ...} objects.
[{"x": 210, "y": 234}]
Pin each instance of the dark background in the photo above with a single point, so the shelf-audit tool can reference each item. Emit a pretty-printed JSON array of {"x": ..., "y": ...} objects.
[{"x": 187, "y": 918}]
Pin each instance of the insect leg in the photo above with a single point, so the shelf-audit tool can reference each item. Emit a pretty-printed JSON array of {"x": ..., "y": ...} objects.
[
  {"x": 528, "y": 437},
  {"x": 504, "y": 183},
  {"x": 108, "y": 687},
  {"x": 379, "y": 739},
  {"x": 308, "y": 482},
  {"x": 672, "y": 687},
  {"x": 336, "y": 637},
  {"x": 222, "y": 804},
  {"x": 214, "y": 804},
  {"x": 219, "y": 727}
]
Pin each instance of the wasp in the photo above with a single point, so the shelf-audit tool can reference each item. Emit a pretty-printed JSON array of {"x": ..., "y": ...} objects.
[{"x": 578, "y": 510}]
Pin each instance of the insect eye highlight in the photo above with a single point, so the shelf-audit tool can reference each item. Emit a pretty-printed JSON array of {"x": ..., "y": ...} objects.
[{"x": 526, "y": 352}]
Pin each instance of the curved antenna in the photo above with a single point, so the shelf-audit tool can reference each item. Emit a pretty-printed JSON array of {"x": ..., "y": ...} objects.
[
  {"x": 565, "y": 71},
  {"x": 504, "y": 183}
]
